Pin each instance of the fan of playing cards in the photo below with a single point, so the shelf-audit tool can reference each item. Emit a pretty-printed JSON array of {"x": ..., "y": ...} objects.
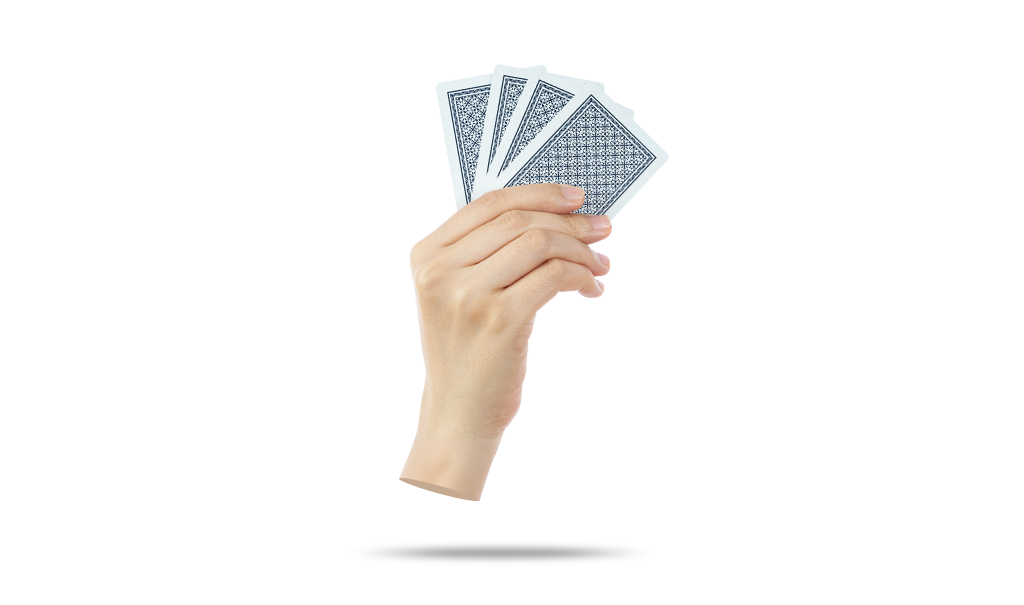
[{"x": 524, "y": 126}]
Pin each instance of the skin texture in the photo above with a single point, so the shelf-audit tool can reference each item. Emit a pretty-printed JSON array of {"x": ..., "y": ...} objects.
[{"x": 480, "y": 279}]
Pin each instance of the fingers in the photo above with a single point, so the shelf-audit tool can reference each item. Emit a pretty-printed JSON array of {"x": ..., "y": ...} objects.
[
  {"x": 530, "y": 250},
  {"x": 493, "y": 236},
  {"x": 543, "y": 197},
  {"x": 539, "y": 286}
]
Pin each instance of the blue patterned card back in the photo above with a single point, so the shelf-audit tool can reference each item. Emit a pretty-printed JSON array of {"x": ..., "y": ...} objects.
[
  {"x": 511, "y": 89},
  {"x": 545, "y": 102},
  {"x": 592, "y": 150},
  {"x": 468, "y": 110}
]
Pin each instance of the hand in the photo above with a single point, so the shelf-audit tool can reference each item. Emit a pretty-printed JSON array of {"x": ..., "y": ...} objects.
[{"x": 480, "y": 279}]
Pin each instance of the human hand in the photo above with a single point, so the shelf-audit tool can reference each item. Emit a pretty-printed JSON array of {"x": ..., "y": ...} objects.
[{"x": 480, "y": 279}]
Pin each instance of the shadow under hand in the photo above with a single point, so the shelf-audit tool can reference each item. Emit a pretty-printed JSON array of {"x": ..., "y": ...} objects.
[{"x": 501, "y": 553}]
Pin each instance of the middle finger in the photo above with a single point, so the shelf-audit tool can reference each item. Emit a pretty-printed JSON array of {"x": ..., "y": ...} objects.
[{"x": 490, "y": 237}]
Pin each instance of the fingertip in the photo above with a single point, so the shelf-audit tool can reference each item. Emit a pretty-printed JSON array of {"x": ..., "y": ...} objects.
[
  {"x": 572, "y": 193},
  {"x": 567, "y": 206},
  {"x": 571, "y": 198},
  {"x": 593, "y": 292}
]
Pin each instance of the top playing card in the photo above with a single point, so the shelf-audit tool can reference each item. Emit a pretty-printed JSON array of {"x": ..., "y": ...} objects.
[
  {"x": 593, "y": 144},
  {"x": 533, "y": 110}
]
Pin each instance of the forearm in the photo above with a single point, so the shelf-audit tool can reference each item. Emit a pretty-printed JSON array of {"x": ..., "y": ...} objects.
[{"x": 443, "y": 480}]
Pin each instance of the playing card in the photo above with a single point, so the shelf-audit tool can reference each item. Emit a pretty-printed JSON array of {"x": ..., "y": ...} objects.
[
  {"x": 463, "y": 105},
  {"x": 485, "y": 182},
  {"x": 541, "y": 99},
  {"x": 484, "y": 161},
  {"x": 591, "y": 143},
  {"x": 507, "y": 83}
]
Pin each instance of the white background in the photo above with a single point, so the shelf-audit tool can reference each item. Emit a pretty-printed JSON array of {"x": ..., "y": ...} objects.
[{"x": 803, "y": 385}]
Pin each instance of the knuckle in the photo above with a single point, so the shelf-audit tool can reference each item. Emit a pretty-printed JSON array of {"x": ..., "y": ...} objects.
[
  {"x": 467, "y": 302},
  {"x": 491, "y": 199},
  {"x": 421, "y": 280},
  {"x": 426, "y": 277},
  {"x": 576, "y": 224},
  {"x": 538, "y": 239},
  {"x": 566, "y": 273},
  {"x": 559, "y": 269},
  {"x": 462, "y": 296},
  {"x": 514, "y": 220}
]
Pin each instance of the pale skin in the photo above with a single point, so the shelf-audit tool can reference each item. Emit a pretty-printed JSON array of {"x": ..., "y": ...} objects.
[{"x": 480, "y": 279}]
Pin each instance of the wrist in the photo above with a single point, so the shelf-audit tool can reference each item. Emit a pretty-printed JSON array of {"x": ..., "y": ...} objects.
[{"x": 453, "y": 465}]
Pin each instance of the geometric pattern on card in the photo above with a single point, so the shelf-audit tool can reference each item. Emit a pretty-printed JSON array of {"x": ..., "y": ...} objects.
[
  {"x": 592, "y": 150},
  {"x": 511, "y": 90},
  {"x": 468, "y": 108},
  {"x": 546, "y": 102}
]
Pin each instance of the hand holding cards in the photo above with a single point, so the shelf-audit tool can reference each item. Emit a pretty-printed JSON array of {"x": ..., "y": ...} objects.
[
  {"x": 525, "y": 126},
  {"x": 480, "y": 279},
  {"x": 558, "y": 158}
]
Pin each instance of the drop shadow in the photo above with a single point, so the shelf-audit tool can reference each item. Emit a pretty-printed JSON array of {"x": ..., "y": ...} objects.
[{"x": 500, "y": 552}]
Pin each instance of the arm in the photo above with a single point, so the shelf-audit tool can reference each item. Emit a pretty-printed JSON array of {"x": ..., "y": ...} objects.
[{"x": 439, "y": 489}]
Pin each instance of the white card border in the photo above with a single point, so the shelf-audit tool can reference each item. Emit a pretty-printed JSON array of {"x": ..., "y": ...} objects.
[{"x": 449, "y": 132}]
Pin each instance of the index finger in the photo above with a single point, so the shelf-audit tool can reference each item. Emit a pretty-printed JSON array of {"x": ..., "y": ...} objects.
[{"x": 543, "y": 197}]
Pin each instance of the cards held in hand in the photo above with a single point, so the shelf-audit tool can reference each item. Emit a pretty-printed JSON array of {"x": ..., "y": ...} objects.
[{"x": 524, "y": 126}]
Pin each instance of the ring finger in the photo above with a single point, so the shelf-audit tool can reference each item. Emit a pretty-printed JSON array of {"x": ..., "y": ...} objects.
[
  {"x": 487, "y": 239},
  {"x": 530, "y": 250}
]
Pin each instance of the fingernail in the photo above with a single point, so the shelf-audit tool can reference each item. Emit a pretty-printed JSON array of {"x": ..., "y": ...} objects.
[
  {"x": 600, "y": 222},
  {"x": 604, "y": 260},
  {"x": 601, "y": 285},
  {"x": 572, "y": 193}
]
